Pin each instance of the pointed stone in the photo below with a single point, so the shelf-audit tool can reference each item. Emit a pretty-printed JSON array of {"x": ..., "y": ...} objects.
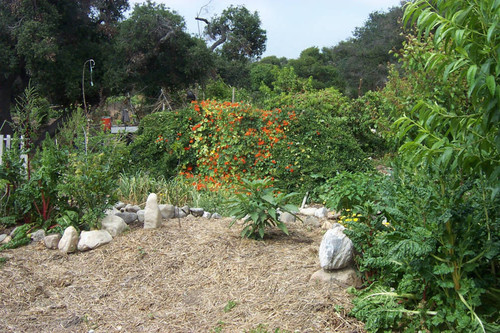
[
  {"x": 69, "y": 240},
  {"x": 152, "y": 214}
]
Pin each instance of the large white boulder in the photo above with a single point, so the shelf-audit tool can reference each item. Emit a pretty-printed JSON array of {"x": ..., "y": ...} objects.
[
  {"x": 336, "y": 249},
  {"x": 152, "y": 214},
  {"x": 114, "y": 224},
  {"x": 91, "y": 239},
  {"x": 69, "y": 240}
]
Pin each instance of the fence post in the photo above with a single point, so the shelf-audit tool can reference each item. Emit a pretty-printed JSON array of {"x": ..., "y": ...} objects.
[{"x": 1, "y": 149}]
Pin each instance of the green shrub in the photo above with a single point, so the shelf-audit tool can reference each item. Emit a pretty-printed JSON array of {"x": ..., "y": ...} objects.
[{"x": 262, "y": 203}]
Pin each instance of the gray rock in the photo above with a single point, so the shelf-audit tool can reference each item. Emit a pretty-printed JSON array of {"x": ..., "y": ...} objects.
[
  {"x": 115, "y": 225},
  {"x": 69, "y": 240},
  {"x": 207, "y": 215},
  {"x": 38, "y": 235},
  {"x": 310, "y": 211},
  {"x": 140, "y": 216},
  {"x": 52, "y": 241},
  {"x": 2, "y": 237},
  {"x": 167, "y": 211},
  {"x": 197, "y": 212},
  {"x": 345, "y": 277},
  {"x": 91, "y": 239},
  {"x": 336, "y": 249},
  {"x": 6, "y": 240},
  {"x": 181, "y": 212},
  {"x": 120, "y": 205},
  {"x": 216, "y": 216},
  {"x": 286, "y": 217},
  {"x": 321, "y": 213},
  {"x": 128, "y": 217},
  {"x": 152, "y": 214},
  {"x": 312, "y": 221},
  {"x": 132, "y": 208}
]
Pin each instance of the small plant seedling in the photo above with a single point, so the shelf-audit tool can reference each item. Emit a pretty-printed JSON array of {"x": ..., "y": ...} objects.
[
  {"x": 230, "y": 305},
  {"x": 218, "y": 328},
  {"x": 3, "y": 260}
]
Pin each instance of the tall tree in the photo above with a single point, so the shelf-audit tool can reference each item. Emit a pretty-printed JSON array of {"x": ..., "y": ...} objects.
[
  {"x": 48, "y": 41},
  {"x": 318, "y": 65}
]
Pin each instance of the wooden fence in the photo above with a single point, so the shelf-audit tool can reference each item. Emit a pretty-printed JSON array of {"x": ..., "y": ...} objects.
[{"x": 5, "y": 143}]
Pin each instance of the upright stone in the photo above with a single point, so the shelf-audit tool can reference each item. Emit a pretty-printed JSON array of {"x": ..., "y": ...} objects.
[
  {"x": 336, "y": 249},
  {"x": 69, "y": 240},
  {"x": 152, "y": 214}
]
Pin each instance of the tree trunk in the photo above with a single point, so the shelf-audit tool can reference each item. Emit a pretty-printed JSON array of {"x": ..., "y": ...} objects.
[{"x": 5, "y": 97}]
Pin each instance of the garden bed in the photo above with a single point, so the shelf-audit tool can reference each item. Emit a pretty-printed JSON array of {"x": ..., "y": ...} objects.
[{"x": 201, "y": 277}]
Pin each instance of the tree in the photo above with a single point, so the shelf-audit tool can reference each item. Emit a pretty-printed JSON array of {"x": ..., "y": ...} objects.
[
  {"x": 238, "y": 32},
  {"x": 154, "y": 51},
  {"x": 48, "y": 41},
  {"x": 318, "y": 65}
]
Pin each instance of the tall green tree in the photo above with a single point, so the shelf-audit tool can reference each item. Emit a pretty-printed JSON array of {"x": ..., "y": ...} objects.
[{"x": 318, "y": 65}]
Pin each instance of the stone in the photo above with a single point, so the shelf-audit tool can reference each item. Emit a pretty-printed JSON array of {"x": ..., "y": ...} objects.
[
  {"x": 120, "y": 205},
  {"x": 207, "y": 215},
  {"x": 152, "y": 214},
  {"x": 132, "y": 208},
  {"x": 286, "y": 217},
  {"x": 167, "y": 211},
  {"x": 52, "y": 241},
  {"x": 321, "y": 213},
  {"x": 312, "y": 221},
  {"x": 197, "y": 212},
  {"x": 181, "y": 212},
  {"x": 327, "y": 225},
  {"x": 336, "y": 249},
  {"x": 2, "y": 237},
  {"x": 345, "y": 277},
  {"x": 91, "y": 239},
  {"x": 216, "y": 216},
  {"x": 140, "y": 215},
  {"x": 38, "y": 235},
  {"x": 114, "y": 224},
  {"x": 6, "y": 240},
  {"x": 310, "y": 211},
  {"x": 69, "y": 240},
  {"x": 128, "y": 217}
]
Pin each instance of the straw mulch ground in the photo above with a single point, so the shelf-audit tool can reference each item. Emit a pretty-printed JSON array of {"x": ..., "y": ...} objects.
[{"x": 174, "y": 280}]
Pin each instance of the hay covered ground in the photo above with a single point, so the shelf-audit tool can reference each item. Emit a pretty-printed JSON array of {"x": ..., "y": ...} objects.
[{"x": 201, "y": 277}]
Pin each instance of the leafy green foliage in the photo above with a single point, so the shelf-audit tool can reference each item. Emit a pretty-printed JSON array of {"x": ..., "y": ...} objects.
[
  {"x": 19, "y": 238},
  {"x": 262, "y": 203}
]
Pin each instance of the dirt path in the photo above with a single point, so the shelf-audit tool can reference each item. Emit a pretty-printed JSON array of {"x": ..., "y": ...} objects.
[{"x": 174, "y": 280}]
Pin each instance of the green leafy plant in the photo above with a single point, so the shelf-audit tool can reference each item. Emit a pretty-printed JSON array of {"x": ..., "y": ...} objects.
[
  {"x": 260, "y": 203},
  {"x": 230, "y": 305},
  {"x": 19, "y": 238}
]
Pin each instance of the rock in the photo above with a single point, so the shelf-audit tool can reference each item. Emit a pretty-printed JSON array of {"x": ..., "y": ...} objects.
[
  {"x": 120, "y": 205},
  {"x": 140, "y": 215},
  {"x": 216, "y": 216},
  {"x": 38, "y": 235},
  {"x": 312, "y": 221},
  {"x": 181, "y": 212},
  {"x": 310, "y": 211},
  {"x": 69, "y": 240},
  {"x": 286, "y": 217},
  {"x": 207, "y": 215},
  {"x": 335, "y": 216},
  {"x": 346, "y": 277},
  {"x": 132, "y": 208},
  {"x": 167, "y": 211},
  {"x": 152, "y": 214},
  {"x": 91, "y": 239},
  {"x": 336, "y": 249},
  {"x": 326, "y": 225},
  {"x": 114, "y": 224},
  {"x": 6, "y": 240},
  {"x": 2, "y": 237},
  {"x": 52, "y": 241},
  {"x": 128, "y": 217},
  {"x": 197, "y": 212},
  {"x": 111, "y": 211},
  {"x": 321, "y": 212}
]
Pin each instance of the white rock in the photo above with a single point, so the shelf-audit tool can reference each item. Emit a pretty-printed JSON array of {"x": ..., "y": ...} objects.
[
  {"x": 6, "y": 240},
  {"x": 2, "y": 237},
  {"x": 207, "y": 215},
  {"x": 310, "y": 211},
  {"x": 327, "y": 225},
  {"x": 321, "y": 213},
  {"x": 140, "y": 215},
  {"x": 312, "y": 221},
  {"x": 91, "y": 239},
  {"x": 115, "y": 225},
  {"x": 286, "y": 217},
  {"x": 346, "y": 277},
  {"x": 216, "y": 216},
  {"x": 120, "y": 205},
  {"x": 38, "y": 235},
  {"x": 167, "y": 211},
  {"x": 69, "y": 240},
  {"x": 52, "y": 241},
  {"x": 181, "y": 212},
  {"x": 152, "y": 214},
  {"x": 336, "y": 249}
]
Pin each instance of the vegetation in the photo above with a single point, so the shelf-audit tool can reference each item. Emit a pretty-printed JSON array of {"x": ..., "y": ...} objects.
[{"x": 426, "y": 231}]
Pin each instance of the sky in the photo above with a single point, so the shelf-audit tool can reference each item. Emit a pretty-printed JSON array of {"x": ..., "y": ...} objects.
[{"x": 291, "y": 25}]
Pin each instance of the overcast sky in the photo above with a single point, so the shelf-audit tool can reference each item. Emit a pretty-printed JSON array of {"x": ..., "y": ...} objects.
[{"x": 291, "y": 25}]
